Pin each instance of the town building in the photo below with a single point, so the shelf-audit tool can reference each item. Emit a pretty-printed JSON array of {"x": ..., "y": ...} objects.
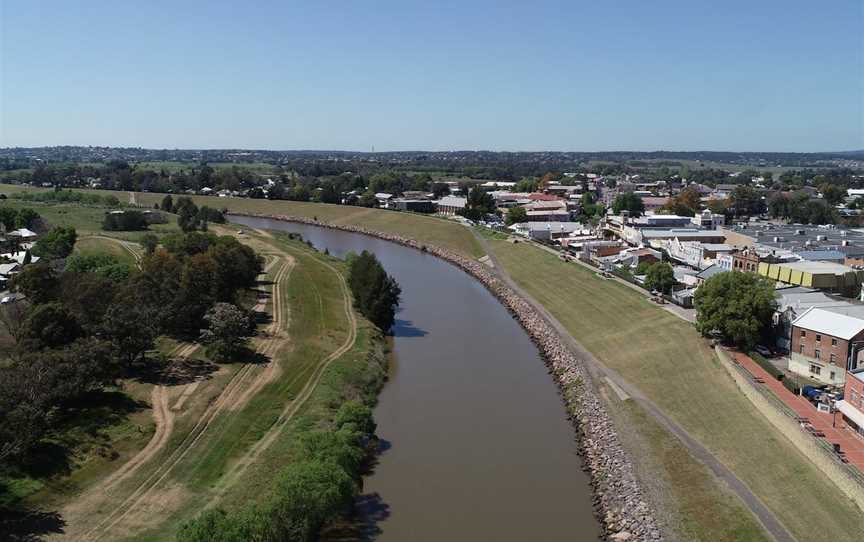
[
  {"x": 450, "y": 205},
  {"x": 851, "y": 407},
  {"x": 826, "y": 276},
  {"x": 825, "y": 345},
  {"x": 414, "y": 205},
  {"x": 547, "y": 231}
]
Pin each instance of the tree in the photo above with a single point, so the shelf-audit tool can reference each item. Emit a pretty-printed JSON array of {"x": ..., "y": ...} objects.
[
  {"x": 660, "y": 276},
  {"x": 7, "y": 218},
  {"x": 26, "y": 218},
  {"x": 168, "y": 204},
  {"x": 376, "y": 294},
  {"x": 48, "y": 325},
  {"x": 739, "y": 306},
  {"x": 308, "y": 494},
  {"x": 58, "y": 243},
  {"x": 439, "y": 190},
  {"x": 687, "y": 202},
  {"x": 745, "y": 200},
  {"x": 124, "y": 221},
  {"x": 227, "y": 329},
  {"x": 187, "y": 214},
  {"x": 149, "y": 241},
  {"x": 130, "y": 325},
  {"x": 478, "y": 204},
  {"x": 36, "y": 281},
  {"x": 832, "y": 193},
  {"x": 517, "y": 215},
  {"x": 628, "y": 201}
]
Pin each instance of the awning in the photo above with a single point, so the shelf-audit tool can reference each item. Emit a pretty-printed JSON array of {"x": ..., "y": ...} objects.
[{"x": 851, "y": 412}]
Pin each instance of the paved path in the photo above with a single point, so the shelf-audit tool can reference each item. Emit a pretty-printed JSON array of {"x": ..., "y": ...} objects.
[
  {"x": 851, "y": 445},
  {"x": 597, "y": 371}
]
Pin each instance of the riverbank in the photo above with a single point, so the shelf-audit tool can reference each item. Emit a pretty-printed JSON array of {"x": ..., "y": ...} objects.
[{"x": 619, "y": 501}]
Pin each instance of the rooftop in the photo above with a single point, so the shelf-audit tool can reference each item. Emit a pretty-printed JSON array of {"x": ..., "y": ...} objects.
[
  {"x": 818, "y": 267},
  {"x": 830, "y": 323}
]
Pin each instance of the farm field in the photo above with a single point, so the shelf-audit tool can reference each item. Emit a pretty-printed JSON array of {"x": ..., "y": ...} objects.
[{"x": 668, "y": 361}]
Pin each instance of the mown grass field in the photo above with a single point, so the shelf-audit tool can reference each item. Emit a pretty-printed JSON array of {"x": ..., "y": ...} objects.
[
  {"x": 666, "y": 358},
  {"x": 102, "y": 245},
  {"x": 427, "y": 229}
]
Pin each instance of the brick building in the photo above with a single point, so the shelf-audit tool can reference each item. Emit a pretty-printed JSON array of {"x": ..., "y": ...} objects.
[
  {"x": 825, "y": 345},
  {"x": 852, "y": 406}
]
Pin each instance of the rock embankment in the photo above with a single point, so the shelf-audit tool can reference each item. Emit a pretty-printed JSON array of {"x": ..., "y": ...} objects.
[{"x": 618, "y": 498}]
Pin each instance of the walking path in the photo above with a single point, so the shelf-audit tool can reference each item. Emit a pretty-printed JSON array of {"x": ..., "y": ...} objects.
[
  {"x": 598, "y": 371},
  {"x": 823, "y": 422}
]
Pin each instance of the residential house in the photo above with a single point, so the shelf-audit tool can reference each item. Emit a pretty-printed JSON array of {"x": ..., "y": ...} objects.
[
  {"x": 6, "y": 272},
  {"x": 825, "y": 345},
  {"x": 383, "y": 199}
]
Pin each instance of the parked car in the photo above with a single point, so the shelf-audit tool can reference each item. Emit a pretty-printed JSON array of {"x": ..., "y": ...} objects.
[{"x": 762, "y": 351}]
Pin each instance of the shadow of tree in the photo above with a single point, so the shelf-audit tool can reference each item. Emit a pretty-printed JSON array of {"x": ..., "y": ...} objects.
[
  {"x": 405, "y": 328},
  {"x": 29, "y": 525}
]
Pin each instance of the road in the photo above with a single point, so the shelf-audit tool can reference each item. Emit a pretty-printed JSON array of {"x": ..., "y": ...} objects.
[{"x": 598, "y": 371}]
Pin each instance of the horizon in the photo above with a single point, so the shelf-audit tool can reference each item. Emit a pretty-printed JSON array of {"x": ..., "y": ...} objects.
[
  {"x": 502, "y": 77},
  {"x": 405, "y": 151}
]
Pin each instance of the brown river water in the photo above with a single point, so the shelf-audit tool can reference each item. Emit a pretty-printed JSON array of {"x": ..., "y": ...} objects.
[{"x": 476, "y": 445}]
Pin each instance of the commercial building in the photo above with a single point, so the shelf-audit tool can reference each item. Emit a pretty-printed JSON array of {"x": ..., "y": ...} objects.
[
  {"x": 414, "y": 205},
  {"x": 827, "y": 276},
  {"x": 449, "y": 205},
  {"x": 825, "y": 345}
]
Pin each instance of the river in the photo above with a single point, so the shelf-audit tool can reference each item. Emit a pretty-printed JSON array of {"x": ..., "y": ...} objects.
[{"x": 477, "y": 445}]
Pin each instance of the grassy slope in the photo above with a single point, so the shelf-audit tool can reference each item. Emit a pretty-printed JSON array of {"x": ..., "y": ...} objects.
[
  {"x": 429, "y": 229},
  {"x": 670, "y": 363},
  {"x": 317, "y": 326},
  {"x": 101, "y": 245}
]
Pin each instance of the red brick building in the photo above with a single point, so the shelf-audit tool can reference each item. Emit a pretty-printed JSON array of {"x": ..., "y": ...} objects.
[
  {"x": 852, "y": 406},
  {"x": 825, "y": 345}
]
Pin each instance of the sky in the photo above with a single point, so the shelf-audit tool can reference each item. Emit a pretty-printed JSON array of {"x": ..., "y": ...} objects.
[{"x": 574, "y": 75}]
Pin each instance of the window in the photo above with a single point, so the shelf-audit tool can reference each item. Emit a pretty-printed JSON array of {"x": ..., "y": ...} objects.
[
  {"x": 800, "y": 348},
  {"x": 818, "y": 338},
  {"x": 833, "y": 375},
  {"x": 833, "y": 358},
  {"x": 803, "y": 333},
  {"x": 817, "y": 354},
  {"x": 815, "y": 369},
  {"x": 833, "y": 342}
]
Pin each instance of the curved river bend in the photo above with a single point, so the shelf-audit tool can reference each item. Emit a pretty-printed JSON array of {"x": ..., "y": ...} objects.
[{"x": 479, "y": 444}]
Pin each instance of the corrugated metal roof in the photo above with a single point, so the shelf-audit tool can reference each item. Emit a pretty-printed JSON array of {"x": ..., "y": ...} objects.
[{"x": 830, "y": 323}]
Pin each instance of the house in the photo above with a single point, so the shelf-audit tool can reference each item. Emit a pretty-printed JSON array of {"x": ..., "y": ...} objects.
[
  {"x": 18, "y": 257},
  {"x": 851, "y": 408},
  {"x": 825, "y": 345},
  {"x": 383, "y": 199},
  {"x": 6, "y": 272},
  {"x": 709, "y": 272},
  {"x": 449, "y": 205},
  {"x": 24, "y": 234}
]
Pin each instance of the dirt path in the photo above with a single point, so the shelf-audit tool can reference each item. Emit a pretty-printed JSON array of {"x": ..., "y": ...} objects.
[
  {"x": 138, "y": 503},
  {"x": 291, "y": 409},
  {"x": 597, "y": 370}
]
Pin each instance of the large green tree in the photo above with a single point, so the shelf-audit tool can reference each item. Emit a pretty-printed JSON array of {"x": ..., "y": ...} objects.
[
  {"x": 57, "y": 243},
  {"x": 376, "y": 294},
  {"x": 739, "y": 306},
  {"x": 628, "y": 201},
  {"x": 660, "y": 276},
  {"x": 227, "y": 329}
]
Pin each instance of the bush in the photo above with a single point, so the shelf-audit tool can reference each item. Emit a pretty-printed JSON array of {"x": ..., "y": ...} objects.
[{"x": 125, "y": 221}]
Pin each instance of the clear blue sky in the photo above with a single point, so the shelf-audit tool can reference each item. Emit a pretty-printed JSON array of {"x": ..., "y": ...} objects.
[{"x": 770, "y": 75}]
